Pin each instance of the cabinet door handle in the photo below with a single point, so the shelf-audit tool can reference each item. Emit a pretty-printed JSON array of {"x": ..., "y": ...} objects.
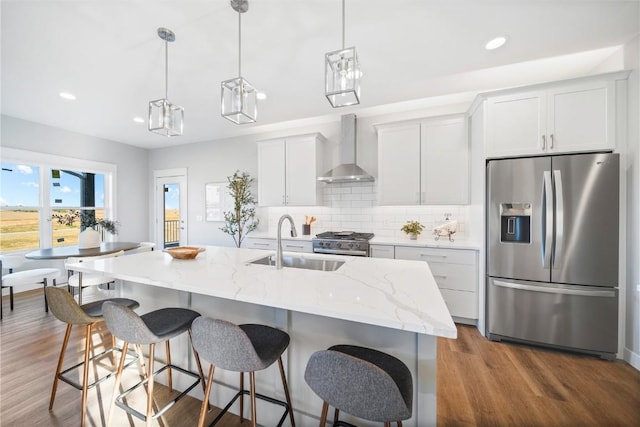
[
  {"x": 261, "y": 244},
  {"x": 432, "y": 255},
  {"x": 294, "y": 246},
  {"x": 544, "y": 141},
  {"x": 551, "y": 141},
  {"x": 443, "y": 276}
]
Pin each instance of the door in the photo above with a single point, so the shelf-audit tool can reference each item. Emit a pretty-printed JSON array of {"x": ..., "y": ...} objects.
[
  {"x": 569, "y": 316},
  {"x": 519, "y": 225},
  {"x": 580, "y": 117},
  {"x": 587, "y": 212},
  {"x": 516, "y": 124},
  {"x": 399, "y": 165},
  {"x": 301, "y": 174},
  {"x": 444, "y": 162},
  {"x": 171, "y": 211},
  {"x": 271, "y": 173}
]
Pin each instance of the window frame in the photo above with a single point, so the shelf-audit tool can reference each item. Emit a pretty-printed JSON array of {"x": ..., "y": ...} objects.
[{"x": 46, "y": 162}]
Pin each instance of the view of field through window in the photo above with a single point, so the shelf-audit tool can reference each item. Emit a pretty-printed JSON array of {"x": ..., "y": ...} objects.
[{"x": 23, "y": 219}]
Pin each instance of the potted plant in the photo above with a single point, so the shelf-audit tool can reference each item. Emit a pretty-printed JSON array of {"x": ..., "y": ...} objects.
[
  {"x": 91, "y": 229},
  {"x": 413, "y": 229},
  {"x": 242, "y": 219}
]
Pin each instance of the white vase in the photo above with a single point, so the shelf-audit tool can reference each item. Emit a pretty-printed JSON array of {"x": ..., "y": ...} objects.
[
  {"x": 89, "y": 238},
  {"x": 413, "y": 236}
]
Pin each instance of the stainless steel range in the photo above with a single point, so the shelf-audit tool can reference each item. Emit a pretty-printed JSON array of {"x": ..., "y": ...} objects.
[{"x": 342, "y": 243}]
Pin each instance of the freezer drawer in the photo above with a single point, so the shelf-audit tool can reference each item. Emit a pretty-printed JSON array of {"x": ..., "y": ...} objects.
[{"x": 583, "y": 318}]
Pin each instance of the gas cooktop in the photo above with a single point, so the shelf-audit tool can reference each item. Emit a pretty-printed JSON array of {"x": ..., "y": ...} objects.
[
  {"x": 345, "y": 235},
  {"x": 342, "y": 243}
]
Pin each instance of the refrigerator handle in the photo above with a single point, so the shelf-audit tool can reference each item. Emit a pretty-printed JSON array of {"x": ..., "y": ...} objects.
[
  {"x": 546, "y": 219},
  {"x": 553, "y": 290},
  {"x": 559, "y": 203}
]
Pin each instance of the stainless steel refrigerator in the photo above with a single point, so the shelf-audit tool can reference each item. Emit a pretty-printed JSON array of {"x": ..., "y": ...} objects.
[{"x": 552, "y": 251}]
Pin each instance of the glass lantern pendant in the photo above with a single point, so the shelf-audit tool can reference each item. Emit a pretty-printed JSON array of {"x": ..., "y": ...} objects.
[
  {"x": 165, "y": 118},
  {"x": 342, "y": 74},
  {"x": 342, "y": 77},
  {"x": 239, "y": 97}
]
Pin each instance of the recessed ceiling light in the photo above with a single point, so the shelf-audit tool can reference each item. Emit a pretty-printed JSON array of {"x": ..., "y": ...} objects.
[
  {"x": 67, "y": 95},
  {"x": 495, "y": 43},
  {"x": 138, "y": 119},
  {"x": 261, "y": 96}
]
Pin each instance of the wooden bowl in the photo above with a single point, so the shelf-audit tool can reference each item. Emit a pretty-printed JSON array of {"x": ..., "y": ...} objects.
[{"x": 184, "y": 252}]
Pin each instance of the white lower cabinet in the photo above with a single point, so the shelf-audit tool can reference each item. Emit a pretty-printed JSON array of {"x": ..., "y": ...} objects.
[
  {"x": 382, "y": 251},
  {"x": 455, "y": 272},
  {"x": 269, "y": 243}
]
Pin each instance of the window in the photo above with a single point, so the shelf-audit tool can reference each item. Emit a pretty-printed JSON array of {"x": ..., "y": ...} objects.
[
  {"x": 19, "y": 207},
  {"x": 44, "y": 203}
]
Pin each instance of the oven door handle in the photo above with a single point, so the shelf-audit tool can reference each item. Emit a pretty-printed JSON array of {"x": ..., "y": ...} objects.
[{"x": 339, "y": 252}]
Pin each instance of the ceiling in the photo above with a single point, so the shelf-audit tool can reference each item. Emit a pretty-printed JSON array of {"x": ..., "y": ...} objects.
[{"x": 412, "y": 52}]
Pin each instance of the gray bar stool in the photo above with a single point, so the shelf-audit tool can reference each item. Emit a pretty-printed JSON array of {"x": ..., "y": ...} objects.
[
  {"x": 241, "y": 348},
  {"x": 155, "y": 327},
  {"x": 67, "y": 310},
  {"x": 360, "y": 381}
]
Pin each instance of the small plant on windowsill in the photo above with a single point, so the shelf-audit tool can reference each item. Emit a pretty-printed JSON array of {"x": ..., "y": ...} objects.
[{"x": 413, "y": 229}]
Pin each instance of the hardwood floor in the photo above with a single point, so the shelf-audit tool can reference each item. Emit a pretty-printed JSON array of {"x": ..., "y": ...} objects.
[
  {"x": 480, "y": 383},
  {"x": 484, "y": 383}
]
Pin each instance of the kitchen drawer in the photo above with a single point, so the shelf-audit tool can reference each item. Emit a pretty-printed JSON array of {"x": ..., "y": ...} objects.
[
  {"x": 461, "y": 277},
  {"x": 381, "y": 251},
  {"x": 431, "y": 255},
  {"x": 254, "y": 243},
  {"x": 287, "y": 245},
  {"x": 461, "y": 303},
  {"x": 296, "y": 246}
]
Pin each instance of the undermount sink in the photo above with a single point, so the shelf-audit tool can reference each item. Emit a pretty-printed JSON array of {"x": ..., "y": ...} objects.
[{"x": 301, "y": 262}]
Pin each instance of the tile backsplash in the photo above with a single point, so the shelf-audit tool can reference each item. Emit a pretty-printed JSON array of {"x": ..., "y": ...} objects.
[{"x": 353, "y": 207}]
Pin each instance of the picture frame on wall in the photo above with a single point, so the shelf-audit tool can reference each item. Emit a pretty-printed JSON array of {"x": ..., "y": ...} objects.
[{"x": 216, "y": 201}]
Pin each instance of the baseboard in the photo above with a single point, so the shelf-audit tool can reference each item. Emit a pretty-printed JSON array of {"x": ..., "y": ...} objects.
[{"x": 632, "y": 358}]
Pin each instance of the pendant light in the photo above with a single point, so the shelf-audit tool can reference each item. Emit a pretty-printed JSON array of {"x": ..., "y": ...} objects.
[
  {"x": 165, "y": 118},
  {"x": 342, "y": 74},
  {"x": 239, "y": 98}
]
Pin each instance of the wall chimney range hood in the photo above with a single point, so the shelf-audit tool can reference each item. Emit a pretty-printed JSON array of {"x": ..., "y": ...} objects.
[{"x": 348, "y": 170}]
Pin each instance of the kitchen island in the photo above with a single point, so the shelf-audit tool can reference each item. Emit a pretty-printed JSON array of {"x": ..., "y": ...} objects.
[{"x": 391, "y": 305}]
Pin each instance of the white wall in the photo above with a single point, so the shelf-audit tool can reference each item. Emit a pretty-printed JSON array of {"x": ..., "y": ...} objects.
[
  {"x": 131, "y": 162},
  {"x": 632, "y": 326}
]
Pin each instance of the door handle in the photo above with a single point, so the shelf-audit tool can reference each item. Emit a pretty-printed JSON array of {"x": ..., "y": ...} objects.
[
  {"x": 544, "y": 142},
  {"x": 559, "y": 215},
  {"x": 551, "y": 141},
  {"x": 554, "y": 290},
  {"x": 546, "y": 219}
]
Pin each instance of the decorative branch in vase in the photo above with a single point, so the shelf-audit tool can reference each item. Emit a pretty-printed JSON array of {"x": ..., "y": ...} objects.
[
  {"x": 89, "y": 236},
  {"x": 242, "y": 219}
]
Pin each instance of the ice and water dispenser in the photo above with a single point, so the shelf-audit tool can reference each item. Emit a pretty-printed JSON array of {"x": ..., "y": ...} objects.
[{"x": 515, "y": 222}]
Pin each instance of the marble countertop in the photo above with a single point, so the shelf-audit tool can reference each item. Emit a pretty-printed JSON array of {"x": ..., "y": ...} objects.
[{"x": 390, "y": 293}]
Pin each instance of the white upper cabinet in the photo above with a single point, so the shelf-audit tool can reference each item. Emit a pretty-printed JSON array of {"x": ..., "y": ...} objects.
[
  {"x": 399, "y": 165},
  {"x": 425, "y": 162},
  {"x": 444, "y": 153},
  {"x": 288, "y": 169},
  {"x": 571, "y": 118}
]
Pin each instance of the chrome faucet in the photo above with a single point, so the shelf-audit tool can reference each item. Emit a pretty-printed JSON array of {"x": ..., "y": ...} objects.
[{"x": 279, "y": 246}]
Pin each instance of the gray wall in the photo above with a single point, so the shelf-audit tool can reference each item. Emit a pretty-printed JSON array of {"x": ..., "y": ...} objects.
[{"x": 132, "y": 184}]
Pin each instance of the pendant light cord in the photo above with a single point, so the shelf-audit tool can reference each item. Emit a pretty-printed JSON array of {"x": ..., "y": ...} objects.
[
  {"x": 166, "y": 69},
  {"x": 343, "y": 24},
  {"x": 239, "y": 44}
]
